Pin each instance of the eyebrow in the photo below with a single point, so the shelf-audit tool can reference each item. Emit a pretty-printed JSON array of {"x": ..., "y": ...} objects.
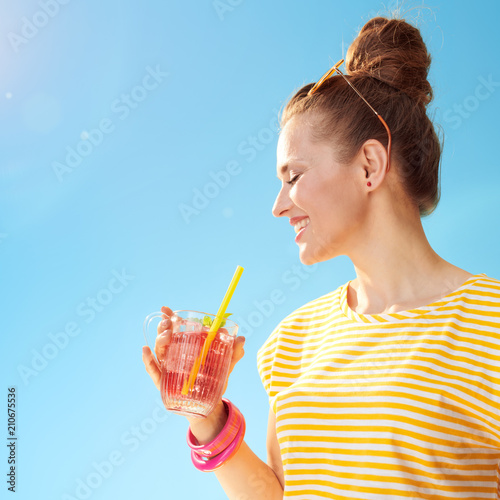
[{"x": 284, "y": 167}]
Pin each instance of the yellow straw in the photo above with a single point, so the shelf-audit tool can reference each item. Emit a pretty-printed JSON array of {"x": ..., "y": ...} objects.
[{"x": 200, "y": 360}]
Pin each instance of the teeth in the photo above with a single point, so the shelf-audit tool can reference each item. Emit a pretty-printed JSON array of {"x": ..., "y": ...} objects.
[{"x": 302, "y": 223}]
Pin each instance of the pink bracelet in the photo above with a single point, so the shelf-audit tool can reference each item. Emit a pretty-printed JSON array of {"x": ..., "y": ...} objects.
[
  {"x": 225, "y": 436},
  {"x": 209, "y": 465}
]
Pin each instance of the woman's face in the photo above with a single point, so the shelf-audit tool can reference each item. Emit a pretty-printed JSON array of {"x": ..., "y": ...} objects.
[{"x": 323, "y": 198}]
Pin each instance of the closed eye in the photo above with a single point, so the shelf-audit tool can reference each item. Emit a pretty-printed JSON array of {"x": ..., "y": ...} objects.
[{"x": 293, "y": 180}]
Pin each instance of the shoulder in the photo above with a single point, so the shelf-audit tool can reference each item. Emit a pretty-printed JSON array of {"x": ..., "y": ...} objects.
[
  {"x": 279, "y": 358},
  {"x": 297, "y": 323},
  {"x": 488, "y": 282},
  {"x": 479, "y": 302},
  {"x": 324, "y": 305},
  {"x": 484, "y": 288}
]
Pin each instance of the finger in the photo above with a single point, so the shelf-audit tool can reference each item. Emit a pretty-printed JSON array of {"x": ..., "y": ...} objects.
[
  {"x": 151, "y": 365},
  {"x": 161, "y": 344},
  {"x": 167, "y": 311},
  {"x": 238, "y": 352},
  {"x": 164, "y": 324},
  {"x": 167, "y": 314},
  {"x": 164, "y": 333},
  {"x": 239, "y": 348}
]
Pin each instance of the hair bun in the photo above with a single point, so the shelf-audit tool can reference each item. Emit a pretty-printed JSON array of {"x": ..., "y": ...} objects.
[{"x": 392, "y": 51}]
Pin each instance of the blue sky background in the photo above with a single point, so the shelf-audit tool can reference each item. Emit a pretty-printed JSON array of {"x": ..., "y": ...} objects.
[{"x": 84, "y": 397}]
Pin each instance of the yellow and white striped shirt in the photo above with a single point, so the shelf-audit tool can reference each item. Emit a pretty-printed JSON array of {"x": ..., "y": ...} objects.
[{"x": 389, "y": 406}]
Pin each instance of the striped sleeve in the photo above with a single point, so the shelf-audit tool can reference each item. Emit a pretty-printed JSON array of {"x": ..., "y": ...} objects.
[
  {"x": 265, "y": 357},
  {"x": 281, "y": 354}
]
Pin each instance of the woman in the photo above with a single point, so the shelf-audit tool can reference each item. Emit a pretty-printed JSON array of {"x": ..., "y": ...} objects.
[{"x": 386, "y": 388}]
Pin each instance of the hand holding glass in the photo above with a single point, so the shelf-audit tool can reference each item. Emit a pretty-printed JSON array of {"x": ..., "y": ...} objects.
[{"x": 189, "y": 332}]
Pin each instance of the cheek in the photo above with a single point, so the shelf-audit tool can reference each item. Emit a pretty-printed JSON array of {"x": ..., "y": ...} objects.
[
  {"x": 319, "y": 198},
  {"x": 309, "y": 194},
  {"x": 337, "y": 205},
  {"x": 328, "y": 200}
]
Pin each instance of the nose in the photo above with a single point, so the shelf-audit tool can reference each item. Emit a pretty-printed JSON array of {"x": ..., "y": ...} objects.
[{"x": 282, "y": 204}]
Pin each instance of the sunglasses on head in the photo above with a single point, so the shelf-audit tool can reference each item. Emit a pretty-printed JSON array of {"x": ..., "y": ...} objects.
[{"x": 335, "y": 70}]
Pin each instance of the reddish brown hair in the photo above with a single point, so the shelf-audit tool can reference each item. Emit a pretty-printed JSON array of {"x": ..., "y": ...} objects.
[{"x": 388, "y": 63}]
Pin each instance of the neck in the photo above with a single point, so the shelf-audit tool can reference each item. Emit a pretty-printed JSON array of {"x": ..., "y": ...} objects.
[{"x": 397, "y": 269}]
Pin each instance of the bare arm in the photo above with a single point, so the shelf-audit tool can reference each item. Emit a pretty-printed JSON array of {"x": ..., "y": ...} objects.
[
  {"x": 273, "y": 449},
  {"x": 245, "y": 476}
]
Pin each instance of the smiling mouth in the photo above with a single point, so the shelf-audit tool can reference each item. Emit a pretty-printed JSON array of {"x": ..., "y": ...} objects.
[{"x": 301, "y": 224}]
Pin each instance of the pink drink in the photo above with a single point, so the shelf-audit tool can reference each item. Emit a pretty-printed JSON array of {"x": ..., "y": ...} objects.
[{"x": 179, "y": 360}]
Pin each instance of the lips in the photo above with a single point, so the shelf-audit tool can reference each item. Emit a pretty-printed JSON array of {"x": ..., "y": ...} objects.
[{"x": 299, "y": 225}]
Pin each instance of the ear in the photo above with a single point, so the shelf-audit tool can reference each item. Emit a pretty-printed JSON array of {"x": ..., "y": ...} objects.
[{"x": 372, "y": 158}]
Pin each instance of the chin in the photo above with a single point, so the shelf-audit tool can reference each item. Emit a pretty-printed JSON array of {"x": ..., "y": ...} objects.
[{"x": 308, "y": 260}]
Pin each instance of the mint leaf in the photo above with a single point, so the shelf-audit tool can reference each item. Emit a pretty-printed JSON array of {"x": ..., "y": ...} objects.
[
  {"x": 223, "y": 322},
  {"x": 207, "y": 320}
]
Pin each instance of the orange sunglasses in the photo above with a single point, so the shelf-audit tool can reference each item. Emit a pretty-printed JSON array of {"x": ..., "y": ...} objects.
[{"x": 335, "y": 69}]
